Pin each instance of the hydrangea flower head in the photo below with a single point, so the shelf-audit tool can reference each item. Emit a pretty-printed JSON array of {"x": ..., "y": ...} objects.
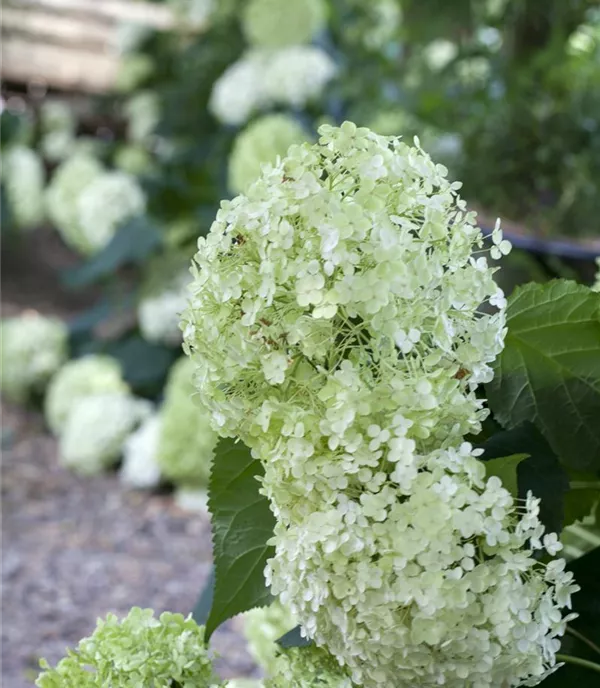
[
  {"x": 307, "y": 667},
  {"x": 140, "y": 468},
  {"x": 263, "y": 626},
  {"x": 77, "y": 379},
  {"x": 96, "y": 429},
  {"x": 239, "y": 90},
  {"x": 139, "y": 650},
  {"x": 160, "y": 308},
  {"x": 33, "y": 348},
  {"x": 187, "y": 442},
  {"x": 59, "y": 126},
  {"x": 143, "y": 114},
  {"x": 264, "y": 140},
  {"x": 24, "y": 177},
  {"x": 278, "y": 23}
]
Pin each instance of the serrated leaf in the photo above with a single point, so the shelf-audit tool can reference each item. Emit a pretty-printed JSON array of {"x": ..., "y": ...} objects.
[
  {"x": 549, "y": 371},
  {"x": 242, "y": 524},
  {"x": 541, "y": 472},
  {"x": 505, "y": 468},
  {"x": 133, "y": 242},
  {"x": 293, "y": 638}
]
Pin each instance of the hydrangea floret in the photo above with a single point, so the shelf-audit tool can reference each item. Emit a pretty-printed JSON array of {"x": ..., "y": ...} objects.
[
  {"x": 187, "y": 442},
  {"x": 278, "y": 23},
  {"x": 24, "y": 178},
  {"x": 264, "y": 140},
  {"x": 139, "y": 650},
  {"x": 263, "y": 626},
  {"x": 77, "y": 379},
  {"x": 96, "y": 429},
  {"x": 140, "y": 468},
  {"x": 337, "y": 327},
  {"x": 33, "y": 348}
]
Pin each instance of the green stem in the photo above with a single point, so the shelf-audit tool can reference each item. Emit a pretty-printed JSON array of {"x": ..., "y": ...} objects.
[
  {"x": 583, "y": 639},
  {"x": 582, "y": 485},
  {"x": 585, "y": 663}
]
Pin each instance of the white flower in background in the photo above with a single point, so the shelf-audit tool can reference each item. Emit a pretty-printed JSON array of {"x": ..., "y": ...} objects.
[
  {"x": 192, "y": 499},
  {"x": 58, "y": 126},
  {"x": 238, "y": 92},
  {"x": 296, "y": 75},
  {"x": 244, "y": 683},
  {"x": 187, "y": 442},
  {"x": 96, "y": 430},
  {"x": 263, "y": 626},
  {"x": 140, "y": 468},
  {"x": 142, "y": 112},
  {"x": 77, "y": 379},
  {"x": 159, "y": 314},
  {"x": 374, "y": 24},
  {"x": 596, "y": 286},
  {"x": 108, "y": 200},
  {"x": 336, "y": 325},
  {"x": 308, "y": 667},
  {"x": 439, "y": 53},
  {"x": 24, "y": 179},
  {"x": 261, "y": 142},
  {"x": 473, "y": 71},
  {"x": 134, "y": 69},
  {"x": 194, "y": 13},
  {"x": 133, "y": 159},
  {"x": 277, "y": 23},
  {"x": 67, "y": 184},
  {"x": 33, "y": 348}
]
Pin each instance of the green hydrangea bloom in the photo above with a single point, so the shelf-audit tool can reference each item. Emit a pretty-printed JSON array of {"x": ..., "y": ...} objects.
[
  {"x": 33, "y": 349},
  {"x": 262, "y": 627},
  {"x": 261, "y": 142},
  {"x": 138, "y": 652},
  {"x": 82, "y": 377},
  {"x": 187, "y": 442},
  {"x": 277, "y": 23},
  {"x": 307, "y": 667},
  {"x": 67, "y": 184},
  {"x": 24, "y": 180},
  {"x": 58, "y": 126}
]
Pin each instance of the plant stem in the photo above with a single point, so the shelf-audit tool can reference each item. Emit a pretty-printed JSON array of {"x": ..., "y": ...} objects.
[
  {"x": 580, "y": 636},
  {"x": 585, "y": 663},
  {"x": 583, "y": 485}
]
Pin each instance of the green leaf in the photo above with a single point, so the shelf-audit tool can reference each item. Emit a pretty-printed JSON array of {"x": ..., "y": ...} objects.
[
  {"x": 505, "y": 468},
  {"x": 133, "y": 242},
  {"x": 203, "y": 606},
  {"x": 242, "y": 524},
  {"x": 549, "y": 371},
  {"x": 541, "y": 472},
  {"x": 293, "y": 638},
  {"x": 581, "y": 500}
]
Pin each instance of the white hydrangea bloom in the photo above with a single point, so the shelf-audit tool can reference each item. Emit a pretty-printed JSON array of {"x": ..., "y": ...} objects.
[
  {"x": 239, "y": 92},
  {"x": 96, "y": 430},
  {"x": 263, "y": 626},
  {"x": 58, "y": 126},
  {"x": 67, "y": 184},
  {"x": 187, "y": 442},
  {"x": 277, "y": 23},
  {"x": 79, "y": 378},
  {"x": 159, "y": 314},
  {"x": 143, "y": 114},
  {"x": 106, "y": 202},
  {"x": 33, "y": 349},
  {"x": 596, "y": 286},
  {"x": 24, "y": 179},
  {"x": 308, "y": 667},
  {"x": 296, "y": 75},
  {"x": 140, "y": 468},
  {"x": 192, "y": 499},
  {"x": 264, "y": 140},
  {"x": 439, "y": 53},
  {"x": 336, "y": 326}
]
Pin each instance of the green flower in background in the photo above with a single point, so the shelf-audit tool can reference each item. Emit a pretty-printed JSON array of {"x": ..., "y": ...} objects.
[
  {"x": 263, "y": 626},
  {"x": 261, "y": 142},
  {"x": 24, "y": 178},
  {"x": 33, "y": 349},
  {"x": 138, "y": 652},
  {"x": 277, "y": 23},
  {"x": 187, "y": 442},
  {"x": 307, "y": 667},
  {"x": 77, "y": 379}
]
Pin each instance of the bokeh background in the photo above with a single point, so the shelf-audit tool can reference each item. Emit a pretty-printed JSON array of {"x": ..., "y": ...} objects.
[{"x": 123, "y": 126}]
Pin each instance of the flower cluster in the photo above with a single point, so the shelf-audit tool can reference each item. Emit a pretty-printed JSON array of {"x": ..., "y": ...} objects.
[
  {"x": 33, "y": 349},
  {"x": 187, "y": 442},
  {"x": 308, "y": 667},
  {"x": 77, "y": 379},
  {"x": 159, "y": 311},
  {"x": 24, "y": 177},
  {"x": 336, "y": 325},
  {"x": 374, "y": 24},
  {"x": 140, "y": 467},
  {"x": 263, "y": 626},
  {"x": 263, "y": 141},
  {"x": 97, "y": 428},
  {"x": 291, "y": 76},
  {"x": 58, "y": 126},
  {"x": 139, "y": 650},
  {"x": 142, "y": 112},
  {"x": 277, "y": 23}
]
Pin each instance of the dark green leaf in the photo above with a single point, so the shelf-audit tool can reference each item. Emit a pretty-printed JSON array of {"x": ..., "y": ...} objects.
[
  {"x": 549, "y": 371},
  {"x": 293, "y": 638},
  {"x": 242, "y": 523},
  {"x": 133, "y": 242},
  {"x": 142, "y": 362},
  {"x": 203, "y": 606},
  {"x": 580, "y": 500}
]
